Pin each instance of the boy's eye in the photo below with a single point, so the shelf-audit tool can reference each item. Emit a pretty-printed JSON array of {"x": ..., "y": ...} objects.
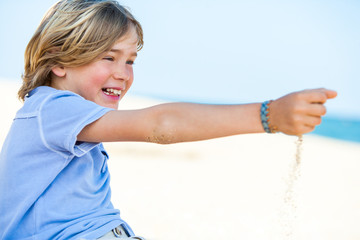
[
  {"x": 130, "y": 62},
  {"x": 109, "y": 58}
]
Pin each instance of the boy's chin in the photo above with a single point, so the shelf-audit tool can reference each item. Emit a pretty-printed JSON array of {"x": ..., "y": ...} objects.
[{"x": 113, "y": 106}]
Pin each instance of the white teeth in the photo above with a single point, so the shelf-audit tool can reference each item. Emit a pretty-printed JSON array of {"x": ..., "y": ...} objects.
[{"x": 111, "y": 91}]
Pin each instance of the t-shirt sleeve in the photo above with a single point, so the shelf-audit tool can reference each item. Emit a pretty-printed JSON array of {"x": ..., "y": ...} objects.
[{"x": 62, "y": 116}]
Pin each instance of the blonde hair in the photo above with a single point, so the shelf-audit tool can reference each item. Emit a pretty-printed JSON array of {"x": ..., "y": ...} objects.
[{"x": 74, "y": 33}]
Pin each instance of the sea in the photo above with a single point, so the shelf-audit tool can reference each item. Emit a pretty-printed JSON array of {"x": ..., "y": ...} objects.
[{"x": 346, "y": 129}]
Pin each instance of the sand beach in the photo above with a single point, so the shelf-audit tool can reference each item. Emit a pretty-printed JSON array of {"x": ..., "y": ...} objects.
[{"x": 230, "y": 188}]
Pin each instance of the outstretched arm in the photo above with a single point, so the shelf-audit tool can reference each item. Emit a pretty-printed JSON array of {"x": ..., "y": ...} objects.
[{"x": 295, "y": 114}]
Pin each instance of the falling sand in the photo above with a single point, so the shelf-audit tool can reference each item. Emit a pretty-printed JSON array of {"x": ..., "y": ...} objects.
[{"x": 288, "y": 213}]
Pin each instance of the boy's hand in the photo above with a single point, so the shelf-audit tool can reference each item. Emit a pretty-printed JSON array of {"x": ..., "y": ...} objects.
[{"x": 299, "y": 112}]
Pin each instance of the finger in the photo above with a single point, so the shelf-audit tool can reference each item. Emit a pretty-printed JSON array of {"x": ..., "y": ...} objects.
[
  {"x": 315, "y": 96},
  {"x": 316, "y": 110},
  {"x": 321, "y": 95},
  {"x": 330, "y": 93},
  {"x": 304, "y": 129},
  {"x": 312, "y": 121},
  {"x": 308, "y": 129}
]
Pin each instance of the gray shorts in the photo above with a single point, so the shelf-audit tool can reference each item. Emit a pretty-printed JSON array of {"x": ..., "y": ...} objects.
[{"x": 119, "y": 233}]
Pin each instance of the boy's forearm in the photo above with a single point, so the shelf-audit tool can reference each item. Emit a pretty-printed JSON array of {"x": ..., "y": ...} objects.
[{"x": 183, "y": 122}]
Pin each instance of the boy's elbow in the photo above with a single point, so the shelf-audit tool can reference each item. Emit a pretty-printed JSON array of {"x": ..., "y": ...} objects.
[
  {"x": 163, "y": 131},
  {"x": 160, "y": 139}
]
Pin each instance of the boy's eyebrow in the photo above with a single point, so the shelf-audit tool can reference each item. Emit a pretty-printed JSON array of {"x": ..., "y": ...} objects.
[{"x": 115, "y": 50}]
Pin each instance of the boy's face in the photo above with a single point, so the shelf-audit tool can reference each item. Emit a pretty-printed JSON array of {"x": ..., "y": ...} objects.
[{"x": 106, "y": 80}]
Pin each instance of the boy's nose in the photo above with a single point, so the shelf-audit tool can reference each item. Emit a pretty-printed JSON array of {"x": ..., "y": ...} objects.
[{"x": 122, "y": 73}]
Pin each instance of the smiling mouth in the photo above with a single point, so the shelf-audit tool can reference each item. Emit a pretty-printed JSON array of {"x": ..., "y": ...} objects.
[{"x": 111, "y": 92}]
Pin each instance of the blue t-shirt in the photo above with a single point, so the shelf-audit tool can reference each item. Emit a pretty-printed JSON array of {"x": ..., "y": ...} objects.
[{"x": 51, "y": 186}]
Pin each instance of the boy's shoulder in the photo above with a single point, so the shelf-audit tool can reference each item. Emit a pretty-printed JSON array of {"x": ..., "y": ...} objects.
[
  {"x": 44, "y": 92},
  {"x": 43, "y": 96}
]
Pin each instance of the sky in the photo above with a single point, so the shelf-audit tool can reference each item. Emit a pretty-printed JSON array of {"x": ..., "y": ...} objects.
[{"x": 228, "y": 51}]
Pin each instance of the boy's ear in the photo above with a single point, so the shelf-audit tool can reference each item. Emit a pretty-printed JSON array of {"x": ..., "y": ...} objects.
[{"x": 59, "y": 71}]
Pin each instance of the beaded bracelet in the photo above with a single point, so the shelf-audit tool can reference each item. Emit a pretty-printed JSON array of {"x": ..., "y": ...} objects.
[{"x": 264, "y": 114}]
